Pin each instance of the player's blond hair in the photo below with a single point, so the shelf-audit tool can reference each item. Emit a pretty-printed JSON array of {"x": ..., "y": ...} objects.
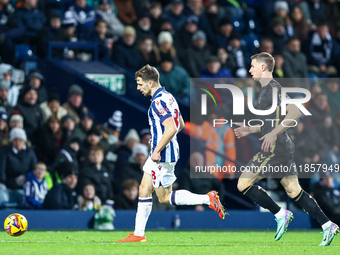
[
  {"x": 148, "y": 73},
  {"x": 265, "y": 58}
]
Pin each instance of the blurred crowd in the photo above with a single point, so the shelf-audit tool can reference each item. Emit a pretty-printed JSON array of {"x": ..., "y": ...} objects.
[{"x": 54, "y": 157}]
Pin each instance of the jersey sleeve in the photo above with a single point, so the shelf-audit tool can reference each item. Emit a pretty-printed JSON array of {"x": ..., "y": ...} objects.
[{"x": 161, "y": 109}]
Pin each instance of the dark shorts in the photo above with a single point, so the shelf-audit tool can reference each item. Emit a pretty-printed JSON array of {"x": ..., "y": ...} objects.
[{"x": 267, "y": 164}]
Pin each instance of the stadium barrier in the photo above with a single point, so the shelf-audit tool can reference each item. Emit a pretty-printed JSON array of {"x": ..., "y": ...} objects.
[{"x": 189, "y": 220}]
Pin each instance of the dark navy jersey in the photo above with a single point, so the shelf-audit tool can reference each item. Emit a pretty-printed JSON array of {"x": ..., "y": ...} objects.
[{"x": 283, "y": 144}]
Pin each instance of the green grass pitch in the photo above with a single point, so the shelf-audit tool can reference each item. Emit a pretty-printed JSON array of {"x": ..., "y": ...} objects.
[{"x": 166, "y": 242}]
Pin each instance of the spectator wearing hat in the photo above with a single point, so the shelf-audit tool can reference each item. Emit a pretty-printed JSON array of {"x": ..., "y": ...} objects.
[
  {"x": 197, "y": 54},
  {"x": 165, "y": 25},
  {"x": 97, "y": 173},
  {"x": 4, "y": 87},
  {"x": 74, "y": 105},
  {"x": 126, "y": 54},
  {"x": 16, "y": 120},
  {"x": 32, "y": 20},
  {"x": 240, "y": 56},
  {"x": 124, "y": 152},
  {"x": 278, "y": 34},
  {"x": 145, "y": 136},
  {"x": 63, "y": 196},
  {"x": 35, "y": 79},
  {"x": 52, "y": 106},
  {"x": 4, "y": 130},
  {"x": 69, "y": 129},
  {"x": 82, "y": 16},
  {"x": 49, "y": 144},
  {"x": 126, "y": 11},
  {"x": 166, "y": 47},
  {"x": 16, "y": 160},
  {"x": 134, "y": 168},
  {"x": 30, "y": 111},
  {"x": 149, "y": 51},
  {"x": 86, "y": 124},
  {"x": 115, "y": 26},
  {"x": 281, "y": 9},
  {"x": 14, "y": 90},
  {"x": 225, "y": 30},
  {"x": 183, "y": 37},
  {"x": 213, "y": 69},
  {"x": 175, "y": 14},
  {"x": 174, "y": 78},
  {"x": 195, "y": 7},
  {"x": 143, "y": 27},
  {"x": 69, "y": 152}
]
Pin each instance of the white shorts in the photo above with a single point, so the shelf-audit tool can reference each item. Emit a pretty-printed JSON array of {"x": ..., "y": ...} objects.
[{"x": 163, "y": 173}]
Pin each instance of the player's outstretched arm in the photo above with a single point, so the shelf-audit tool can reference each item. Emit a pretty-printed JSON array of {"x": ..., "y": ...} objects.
[
  {"x": 169, "y": 131},
  {"x": 243, "y": 131}
]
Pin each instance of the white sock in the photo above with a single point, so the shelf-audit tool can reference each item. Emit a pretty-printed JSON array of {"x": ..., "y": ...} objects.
[
  {"x": 143, "y": 212},
  {"x": 280, "y": 214},
  {"x": 326, "y": 225},
  {"x": 184, "y": 197}
]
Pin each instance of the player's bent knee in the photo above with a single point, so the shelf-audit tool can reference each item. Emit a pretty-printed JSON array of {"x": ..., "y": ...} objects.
[{"x": 242, "y": 184}]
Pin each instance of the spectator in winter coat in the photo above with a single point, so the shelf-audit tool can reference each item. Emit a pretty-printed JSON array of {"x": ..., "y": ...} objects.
[
  {"x": 149, "y": 51},
  {"x": 52, "y": 106},
  {"x": 213, "y": 69},
  {"x": 74, "y": 105},
  {"x": 86, "y": 124},
  {"x": 49, "y": 143},
  {"x": 143, "y": 27},
  {"x": 4, "y": 130},
  {"x": 97, "y": 173},
  {"x": 82, "y": 16},
  {"x": 30, "y": 110},
  {"x": 128, "y": 198},
  {"x": 115, "y": 26},
  {"x": 101, "y": 36},
  {"x": 124, "y": 152},
  {"x": 69, "y": 129},
  {"x": 16, "y": 160},
  {"x": 225, "y": 30},
  {"x": 88, "y": 201},
  {"x": 175, "y": 14},
  {"x": 35, "y": 188},
  {"x": 35, "y": 79},
  {"x": 63, "y": 196},
  {"x": 296, "y": 61},
  {"x": 197, "y": 54},
  {"x": 125, "y": 53},
  {"x": 166, "y": 47},
  {"x": 31, "y": 19},
  {"x": 174, "y": 78}
]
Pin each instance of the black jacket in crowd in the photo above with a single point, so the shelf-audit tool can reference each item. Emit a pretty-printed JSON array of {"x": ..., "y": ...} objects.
[
  {"x": 61, "y": 197},
  {"x": 100, "y": 178},
  {"x": 14, "y": 164},
  {"x": 33, "y": 118}
]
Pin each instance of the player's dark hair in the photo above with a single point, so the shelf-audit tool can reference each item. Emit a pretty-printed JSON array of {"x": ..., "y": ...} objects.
[
  {"x": 265, "y": 58},
  {"x": 148, "y": 73}
]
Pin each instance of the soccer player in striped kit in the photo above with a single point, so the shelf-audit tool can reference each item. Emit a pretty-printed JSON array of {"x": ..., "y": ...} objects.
[{"x": 165, "y": 122}]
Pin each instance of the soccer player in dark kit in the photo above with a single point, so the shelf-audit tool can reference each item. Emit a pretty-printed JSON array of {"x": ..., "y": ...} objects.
[{"x": 277, "y": 150}]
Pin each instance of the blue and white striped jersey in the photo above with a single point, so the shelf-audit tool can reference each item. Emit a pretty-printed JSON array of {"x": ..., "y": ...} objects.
[{"x": 163, "y": 106}]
